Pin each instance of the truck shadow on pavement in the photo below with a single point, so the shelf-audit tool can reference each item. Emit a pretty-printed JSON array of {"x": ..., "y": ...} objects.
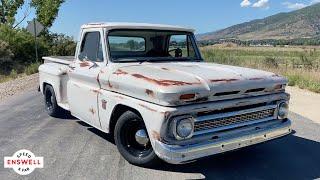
[{"x": 291, "y": 157}]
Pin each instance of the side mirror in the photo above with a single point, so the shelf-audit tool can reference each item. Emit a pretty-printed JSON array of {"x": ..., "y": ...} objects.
[{"x": 81, "y": 57}]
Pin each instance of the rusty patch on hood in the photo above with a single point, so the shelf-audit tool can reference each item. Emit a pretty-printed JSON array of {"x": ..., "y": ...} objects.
[
  {"x": 146, "y": 107},
  {"x": 92, "y": 111},
  {"x": 223, "y": 80},
  {"x": 84, "y": 64},
  {"x": 155, "y": 135},
  {"x": 163, "y": 82},
  {"x": 275, "y": 75},
  {"x": 150, "y": 92},
  {"x": 166, "y": 69},
  {"x": 120, "y": 72},
  {"x": 256, "y": 79}
]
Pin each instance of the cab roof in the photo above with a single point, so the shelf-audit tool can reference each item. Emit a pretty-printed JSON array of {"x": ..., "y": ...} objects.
[{"x": 125, "y": 25}]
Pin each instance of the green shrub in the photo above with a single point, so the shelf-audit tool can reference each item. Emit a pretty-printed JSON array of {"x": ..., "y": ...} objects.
[
  {"x": 32, "y": 68},
  {"x": 17, "y": 49},
  {"x": 5, "y": 57},
  {"x": 13, "y": 74}
]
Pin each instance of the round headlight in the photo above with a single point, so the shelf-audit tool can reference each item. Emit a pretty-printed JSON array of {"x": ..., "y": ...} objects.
[
  {"x": 283, "y": 110},
  {"x": 184, "y": 128}
]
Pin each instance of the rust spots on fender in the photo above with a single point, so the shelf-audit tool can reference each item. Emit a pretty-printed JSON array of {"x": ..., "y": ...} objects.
[
  {"x": 166, "y": 114},
  {"x": 163, "y": 82},
  {"x": 150, "y": 93},
  {"x": 120, "y": 97},
  {"x": 98, "y": 78},
  {"x": 97, "y": 91},
  {"x": 155, "y": 135},
  {"x": 146, "y": 107},
  {"x": 223, "y": 80},
  {"x": 84, "y": 64},
  {"x": 92, "y": 111},
  {"x": 104, "y": 104},
  {"x": 110, "y": 85},
  {"x": 120, "y": 72}
]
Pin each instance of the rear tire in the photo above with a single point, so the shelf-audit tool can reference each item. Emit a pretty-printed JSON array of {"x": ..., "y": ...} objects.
[
  {"x": 50, "y": 101},
  {"x": 124, "y": 134}
]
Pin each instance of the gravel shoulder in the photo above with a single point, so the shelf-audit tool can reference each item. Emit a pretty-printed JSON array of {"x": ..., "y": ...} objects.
[
  {"x": 305, "y": 103},
  {"x": 19, "y": 85},
  {"x": 302, "y": 102}
]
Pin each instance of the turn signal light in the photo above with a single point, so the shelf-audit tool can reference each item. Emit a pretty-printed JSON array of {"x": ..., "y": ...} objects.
[{"x": 188, "y": 97}]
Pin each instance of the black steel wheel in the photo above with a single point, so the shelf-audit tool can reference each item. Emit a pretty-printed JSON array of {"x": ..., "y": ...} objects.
[
  {"x": 51, "y": 105},
  {"x": 132, "y": 140}
]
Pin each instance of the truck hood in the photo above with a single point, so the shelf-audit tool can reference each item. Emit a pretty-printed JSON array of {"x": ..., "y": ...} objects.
[{"x": 179, "y": 83}]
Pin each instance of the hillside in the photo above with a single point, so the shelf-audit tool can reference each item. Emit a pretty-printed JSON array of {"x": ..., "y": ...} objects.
[{"x": 303, "y": 23}]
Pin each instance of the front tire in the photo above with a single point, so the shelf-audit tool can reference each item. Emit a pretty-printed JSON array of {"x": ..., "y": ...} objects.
[
  {"x": 50, "y": 101},
  {"x": 133, "y": 151}
]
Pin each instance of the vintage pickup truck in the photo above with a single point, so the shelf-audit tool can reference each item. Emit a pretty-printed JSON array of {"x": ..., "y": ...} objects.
[{"x": 148, "y": 85}]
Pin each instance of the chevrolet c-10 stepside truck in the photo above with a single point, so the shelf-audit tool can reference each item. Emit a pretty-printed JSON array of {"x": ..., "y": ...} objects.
[{"x": 148, "y": 85}]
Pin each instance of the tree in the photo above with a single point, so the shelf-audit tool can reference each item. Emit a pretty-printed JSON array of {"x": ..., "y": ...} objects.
[
  {"x": 46, "y": 10},
  {"x": 8, "y": 9}
]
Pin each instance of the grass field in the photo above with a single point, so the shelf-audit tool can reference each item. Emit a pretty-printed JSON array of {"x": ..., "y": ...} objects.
[{"x": 301, "y": 65}]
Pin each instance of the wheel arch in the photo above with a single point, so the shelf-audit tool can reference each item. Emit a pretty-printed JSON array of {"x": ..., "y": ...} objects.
[{"x": 117, "y": 111}]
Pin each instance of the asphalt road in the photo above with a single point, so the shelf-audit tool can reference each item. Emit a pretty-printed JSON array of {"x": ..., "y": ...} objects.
[{"x": 72, "y": 149}]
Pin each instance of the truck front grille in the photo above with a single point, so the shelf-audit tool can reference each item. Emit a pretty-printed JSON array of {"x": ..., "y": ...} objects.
[{"x": 241, "y": 119}]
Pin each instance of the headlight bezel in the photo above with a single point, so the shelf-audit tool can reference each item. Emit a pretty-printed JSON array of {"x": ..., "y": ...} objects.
[
  {"x": 282, "y": 104},
  {"x": 176, "y": 122}
]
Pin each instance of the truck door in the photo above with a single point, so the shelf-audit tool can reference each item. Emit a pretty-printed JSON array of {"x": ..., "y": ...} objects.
[{"x": 83, "y": 85}]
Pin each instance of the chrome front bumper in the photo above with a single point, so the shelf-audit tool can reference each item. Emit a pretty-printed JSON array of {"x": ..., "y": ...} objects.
[{"x": 182, "y": 154}]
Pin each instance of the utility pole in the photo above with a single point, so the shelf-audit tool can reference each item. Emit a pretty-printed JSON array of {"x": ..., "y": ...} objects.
[{"x": 35, "y": 39}]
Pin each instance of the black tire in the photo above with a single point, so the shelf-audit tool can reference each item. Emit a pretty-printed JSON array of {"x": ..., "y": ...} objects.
[
  {"x": 50, "y": 102},
  {"x": 124, "y": 135}
]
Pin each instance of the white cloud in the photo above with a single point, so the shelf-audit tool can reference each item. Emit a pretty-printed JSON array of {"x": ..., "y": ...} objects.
[
  {"x": 315, "y": 1},
  {"x": 261, "y": 4},
  {"x": 290, "y": 5},
  {"x": 295, "y": 6},
  {"x": 245, "y": 3}
]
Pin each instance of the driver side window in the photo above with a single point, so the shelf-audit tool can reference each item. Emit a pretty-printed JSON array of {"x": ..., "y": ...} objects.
[
  {"x": 182, "y": 42},
  {"x": 91, "y": 47}
]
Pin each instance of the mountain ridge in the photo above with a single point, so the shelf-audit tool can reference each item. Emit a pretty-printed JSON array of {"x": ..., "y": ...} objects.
[{"x": 302, "y": 23}]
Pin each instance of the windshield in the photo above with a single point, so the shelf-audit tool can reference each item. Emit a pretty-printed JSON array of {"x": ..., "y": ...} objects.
[{"x": 152, "y": 45}]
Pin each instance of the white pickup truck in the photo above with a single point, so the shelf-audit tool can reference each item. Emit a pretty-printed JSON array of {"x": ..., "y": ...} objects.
[{"x": 148, "y": 85}]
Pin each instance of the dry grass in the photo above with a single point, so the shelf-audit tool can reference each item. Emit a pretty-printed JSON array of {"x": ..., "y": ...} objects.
[{"x": 301, "y": 65}]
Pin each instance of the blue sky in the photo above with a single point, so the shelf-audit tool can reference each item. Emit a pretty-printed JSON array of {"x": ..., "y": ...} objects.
[{"x": 203, "y": 15}]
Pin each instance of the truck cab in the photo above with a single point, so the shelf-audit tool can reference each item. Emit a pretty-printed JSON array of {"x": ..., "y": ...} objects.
[{"x": 148, "y": 85}]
